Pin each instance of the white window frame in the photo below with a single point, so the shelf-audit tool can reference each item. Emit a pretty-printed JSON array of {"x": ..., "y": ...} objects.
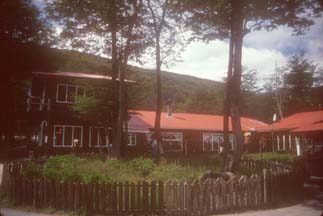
[
  {"x": 219, "y": 136},
  {"x": 66, "y": 101},
  {"x": 107, "y": 140},
  {"x": 65, "y": 126},
  {"x": 173, "y": 133},
  {"x": 215, "y": 140},
  {"x": 131, "y": 134}
]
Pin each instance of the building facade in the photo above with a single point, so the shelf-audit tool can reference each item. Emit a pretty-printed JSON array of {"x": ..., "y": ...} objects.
[{"x": 57, "y": 127}]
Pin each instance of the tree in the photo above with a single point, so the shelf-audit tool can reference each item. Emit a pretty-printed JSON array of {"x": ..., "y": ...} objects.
[
  {"x": 21, "y": 29},
  {"x": 107, "y": 26},
  {"x": 249, "y": 91},
  {"x": 274, "y": 86},
  {"x": 298, "y": 83},
  {"x": 163, "y": 28},
  {"x": 234, "y": 19}
]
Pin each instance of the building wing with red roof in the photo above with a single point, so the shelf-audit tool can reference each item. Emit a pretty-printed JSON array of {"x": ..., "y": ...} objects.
[
  {"x": 305, "y": 121},
  {"x": 144, "y": 120}
]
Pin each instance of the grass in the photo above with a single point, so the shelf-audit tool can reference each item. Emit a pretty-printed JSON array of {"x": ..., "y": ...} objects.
[{"x": 71, "y": 167}]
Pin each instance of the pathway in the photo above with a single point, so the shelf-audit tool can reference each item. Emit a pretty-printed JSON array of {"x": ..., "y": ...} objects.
[
  {"x": 313, "y": 207},
  {"x": 13, "y": 212}
]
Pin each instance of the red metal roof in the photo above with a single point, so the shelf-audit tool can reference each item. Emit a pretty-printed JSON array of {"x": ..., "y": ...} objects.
[
  {"x": 77, "y": 75},
  {"x": 310, "y": 128},
  {"x": 296, "y": 121},
  {"x": 143, "y": 120}
]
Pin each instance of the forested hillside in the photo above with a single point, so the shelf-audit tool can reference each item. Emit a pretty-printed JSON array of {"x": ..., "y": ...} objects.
[{"x": 190, "y": 94}]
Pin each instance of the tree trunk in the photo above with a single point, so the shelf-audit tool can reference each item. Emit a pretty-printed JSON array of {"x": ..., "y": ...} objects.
[
  {"x": 158, "y": 96},
  {"x": 121, "y": 110},
  {"x": 226, "y": 106},
  {"x": 122, "y": 69},
  {"x": 237, "y": 7},
  {"x": 115, "y": 67},
  {"x": 8, "y": 119},
  {"x": 232, "y": 102}
]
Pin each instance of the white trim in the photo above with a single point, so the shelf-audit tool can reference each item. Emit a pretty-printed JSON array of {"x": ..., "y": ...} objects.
[
  {"x": 66, "y": 126},
  {"x": 135, "y": 131},
  {"x": 98, "y": 137},
  {"x": 66, "y": 101},
  {"x": 130, "y": 139},
  {"x": 215, "y": 139}
]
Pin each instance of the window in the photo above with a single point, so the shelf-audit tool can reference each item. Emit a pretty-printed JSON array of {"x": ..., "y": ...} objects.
[
  {"x": 66, "y": 93},
  {"x": 67, "y": 136},
  {"x": 99, "y": 137},
  {"x": 212, "y": 141},
  {"x": 131, "y": 139},
  {"x": 172, "y": 141},
  {"x": 148, "y": 137}
]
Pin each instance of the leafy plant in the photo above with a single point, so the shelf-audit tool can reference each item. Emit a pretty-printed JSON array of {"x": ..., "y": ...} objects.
[
  {"x": 62, "y": 167},
  {"x": 32, "y": 170},
  {"x": 143, "y": 166}
]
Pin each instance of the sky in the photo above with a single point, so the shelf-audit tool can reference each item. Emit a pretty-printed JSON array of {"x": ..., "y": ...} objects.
[{"x": 262, "y": 51}]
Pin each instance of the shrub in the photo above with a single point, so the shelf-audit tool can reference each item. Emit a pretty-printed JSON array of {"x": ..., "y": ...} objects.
[
  {"x": 92, "y": 170},
  {"x": 63, "y": 167},
  {"x": 143, "y": 166},
  {"x": 32, "y": 170},
  {"x": 166, "y": 172}
]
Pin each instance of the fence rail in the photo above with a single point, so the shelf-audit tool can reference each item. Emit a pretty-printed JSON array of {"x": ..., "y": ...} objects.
[
  {"x": 162, "y": 198},
  {"x": 273, "y": 166}
]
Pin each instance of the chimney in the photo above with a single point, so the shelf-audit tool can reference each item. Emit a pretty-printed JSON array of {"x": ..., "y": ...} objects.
[{"x": 169, "y": 108}]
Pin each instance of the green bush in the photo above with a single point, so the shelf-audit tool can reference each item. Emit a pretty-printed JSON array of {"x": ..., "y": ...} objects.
[
  {"x": 143, "y": 166},
  {"x": 63, "y": 167},
  {"x": 73, "y": 168},
  {"x": 32, "y": 170},
  {"x": 166, "y": 172}
]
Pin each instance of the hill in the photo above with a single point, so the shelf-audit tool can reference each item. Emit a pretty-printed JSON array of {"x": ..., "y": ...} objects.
[{"x": 190, "y": 94}]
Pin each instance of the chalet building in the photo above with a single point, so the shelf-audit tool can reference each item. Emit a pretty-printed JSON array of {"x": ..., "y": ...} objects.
[
  {"x": 57, "y": 128},
  {"x": 53, "y": 123},
  {"x": 294, "y": 133}
]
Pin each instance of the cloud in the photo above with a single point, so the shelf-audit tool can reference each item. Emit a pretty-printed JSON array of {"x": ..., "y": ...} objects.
[
  {"x": 210, "y": 60},
  {"x": 282, "y": 40},
  {"x": 262, "y": 51}
]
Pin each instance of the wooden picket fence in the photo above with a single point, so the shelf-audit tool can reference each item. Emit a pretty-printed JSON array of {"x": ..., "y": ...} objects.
[
  {"x": 259, "y": 165},
  {"x": 149, "y": 198}
]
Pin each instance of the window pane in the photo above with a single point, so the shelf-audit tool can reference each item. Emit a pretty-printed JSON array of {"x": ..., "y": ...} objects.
[
  {"x": 68, "y": 136},
  {"x": 207, "y": 142},
  {"x": 61, "y": 93},
  {"x": 172, "y": 141},
  {"x": 80, "y": 91},
  {"x": 58, "y": 136},
  {"x": 94, "y": 136},
  {"x": 71, "y": 94},
  {"x": 102, "y": 137},
  {"x": 77, "y": 138}
]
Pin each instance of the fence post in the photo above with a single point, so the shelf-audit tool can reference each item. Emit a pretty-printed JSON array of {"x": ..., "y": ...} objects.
[{"x": 265, "y": 185}]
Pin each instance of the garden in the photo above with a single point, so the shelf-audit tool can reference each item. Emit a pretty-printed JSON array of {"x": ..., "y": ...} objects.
[
  {"x": 94, "y": 168},
  {"x": 91, "y": 183}
]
